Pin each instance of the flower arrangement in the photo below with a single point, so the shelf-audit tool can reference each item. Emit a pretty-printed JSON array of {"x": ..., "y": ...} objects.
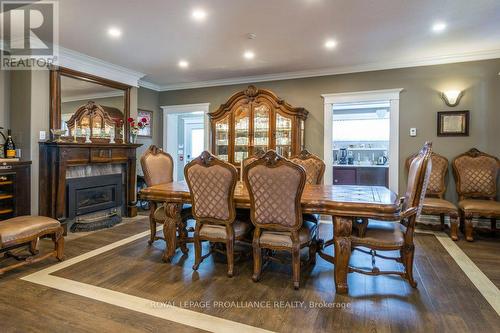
[{"x": 135, "y": 126}]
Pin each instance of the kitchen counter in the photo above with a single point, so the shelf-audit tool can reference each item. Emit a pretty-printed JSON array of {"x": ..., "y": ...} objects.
[{"x": 360, "y": 166}]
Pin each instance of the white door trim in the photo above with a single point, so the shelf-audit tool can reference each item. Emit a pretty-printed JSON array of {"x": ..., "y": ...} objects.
[
  {"x": 184, "y": 108},
  {"x": 391, "y": 95}
]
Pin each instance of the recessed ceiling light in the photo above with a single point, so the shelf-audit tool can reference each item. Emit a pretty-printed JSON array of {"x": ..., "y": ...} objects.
[
  {"x": 114, "y": 32},
  {"x": 330, "y": 44},
  {"x": 183, "y": 64},
  {"x": 439, "y": 27},
  {"x": 249, "y": 55},
  {"x": 199, "y": 14}
]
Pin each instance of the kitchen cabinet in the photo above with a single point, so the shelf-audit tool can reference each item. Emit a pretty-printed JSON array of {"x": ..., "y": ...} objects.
[{"x": 359, "y": 175}]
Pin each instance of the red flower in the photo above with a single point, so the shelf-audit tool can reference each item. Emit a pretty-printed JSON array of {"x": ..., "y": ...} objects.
[
  {"x": 139, "y": 124},
  {"x": 144, "y": 120},
  {"x": 132, "y": 124},
  {"x": 130, "y": 120}
]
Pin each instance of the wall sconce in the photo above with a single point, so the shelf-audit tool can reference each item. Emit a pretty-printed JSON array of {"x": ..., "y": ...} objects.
[{"x": 452, "y": 97}]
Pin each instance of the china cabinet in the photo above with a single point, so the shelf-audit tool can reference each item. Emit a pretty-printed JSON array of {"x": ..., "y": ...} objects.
[{"x": 256, "y": 119}]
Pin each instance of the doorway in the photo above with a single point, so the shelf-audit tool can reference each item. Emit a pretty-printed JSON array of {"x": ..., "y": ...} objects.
[
  {"x": 185, "y": 134},
  {"x": 387, "y": 99}
]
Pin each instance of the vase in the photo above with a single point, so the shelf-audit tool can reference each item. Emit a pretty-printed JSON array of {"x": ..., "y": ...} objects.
[{"x": 133, "y": 138}]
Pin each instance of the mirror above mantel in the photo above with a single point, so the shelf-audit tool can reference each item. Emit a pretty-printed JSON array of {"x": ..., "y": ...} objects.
[{"x": 87, "y": 107}]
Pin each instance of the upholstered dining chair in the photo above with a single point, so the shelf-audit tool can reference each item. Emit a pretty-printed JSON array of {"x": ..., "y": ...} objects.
[
  {"x": 476, "y": 175},
  {"x": 398, "y": 236},
  {"x": 315, "y": 169},
  {"x": 434, "y": 201},
  {"x": 258, "y": 154},
  {"x": 158, "y": 168},
  {"x": 211, "y": 184},
  {"x": 275, "y": 187}
]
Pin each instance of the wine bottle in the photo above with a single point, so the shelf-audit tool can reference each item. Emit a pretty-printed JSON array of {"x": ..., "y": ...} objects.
[{"x": 9, "y": 146}]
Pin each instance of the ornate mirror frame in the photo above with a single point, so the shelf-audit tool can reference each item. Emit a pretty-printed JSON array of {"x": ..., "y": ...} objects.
[{"x": 55, "y": 94}]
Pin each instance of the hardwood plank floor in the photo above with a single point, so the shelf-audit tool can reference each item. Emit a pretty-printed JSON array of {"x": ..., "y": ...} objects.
[{"x": 446, "y": 300}]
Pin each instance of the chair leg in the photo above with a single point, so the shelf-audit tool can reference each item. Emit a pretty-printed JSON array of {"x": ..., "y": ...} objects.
[
  {"x": 257, "y": 256},
  {"x": 183, "y": 234},
  {"x": 230, "y": 250},
  {"x": 152, "y": 223},
  {"x": 313, "y": 248},
  {"x": 493, "y": 225},
  {"x": 33, "y": 247},
  {"x": 454, "y": 226},
  {"x": 58, "y": 240},
  {"x": 407, "y": 255},
  {"x": 296, "y": 266},
  {"x": 469, "y": 228},
  {"x": 197, "y": 246}
]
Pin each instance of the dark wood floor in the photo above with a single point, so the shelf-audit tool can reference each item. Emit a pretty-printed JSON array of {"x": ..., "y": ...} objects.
[{"x": 445, "y": 300}]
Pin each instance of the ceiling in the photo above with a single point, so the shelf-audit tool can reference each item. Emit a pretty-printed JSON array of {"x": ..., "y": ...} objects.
[{"x": 156, "y": 34}]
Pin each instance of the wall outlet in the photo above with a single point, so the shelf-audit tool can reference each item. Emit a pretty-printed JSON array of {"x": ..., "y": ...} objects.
[
  {"x": 413, "y": 131},
  {"x": 43, "y": 135}
]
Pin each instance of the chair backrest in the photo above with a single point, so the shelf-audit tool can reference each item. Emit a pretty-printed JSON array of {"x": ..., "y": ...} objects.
[
  {"x": 258, "y": 154},
  {"x": 275, "y": 186},
  {"x": 314, "y": 166},
  {"x": 211, "y": 184},
  {"x": 157, "y": 166},
  {"x": 418, "y": 178},
  {"x": 476, "y": 174},
  {"x": 437, "y": 184}
]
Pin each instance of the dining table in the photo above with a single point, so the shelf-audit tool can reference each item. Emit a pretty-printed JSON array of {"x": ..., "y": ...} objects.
[{"x": 344, "y": 203}]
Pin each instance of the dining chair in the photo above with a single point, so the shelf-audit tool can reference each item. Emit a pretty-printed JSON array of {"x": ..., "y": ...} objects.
[
  {"x": 211, "y": 183},
  {"x": 315, "y": 169},
  {"x": 158, "y": 168},
  {"x": 398, "y": 235},
  {"x": 258, "y": 154},
  {"x": 476, "y": 175},
  {"x": 275, "y": 185},
  {"x": 434, "y": 201}
]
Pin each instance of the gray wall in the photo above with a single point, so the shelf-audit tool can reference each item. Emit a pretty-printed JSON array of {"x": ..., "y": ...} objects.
[
  {"x": 149, "y": 100},
  {"x": 4, "y": 99},
  {"x": 418, "y": 104}
]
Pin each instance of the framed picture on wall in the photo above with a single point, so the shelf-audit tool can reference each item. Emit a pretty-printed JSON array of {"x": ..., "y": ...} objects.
[
  {"x": 453, "y": 123},
  {"x": 148, "y": 130}
]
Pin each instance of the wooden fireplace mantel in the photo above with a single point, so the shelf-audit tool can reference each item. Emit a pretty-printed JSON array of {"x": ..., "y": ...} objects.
[{"x": 55, "y": 158}]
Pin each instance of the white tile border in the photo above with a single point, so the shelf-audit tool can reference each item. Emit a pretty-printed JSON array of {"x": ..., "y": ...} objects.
[{"x": 211, "y": 323}]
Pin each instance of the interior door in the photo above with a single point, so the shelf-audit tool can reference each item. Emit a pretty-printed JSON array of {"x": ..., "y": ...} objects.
[{"x": 194, "y": 141}]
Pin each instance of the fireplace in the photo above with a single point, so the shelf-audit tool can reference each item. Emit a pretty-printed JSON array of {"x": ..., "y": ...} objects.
[{"x": 94, "y": 202}]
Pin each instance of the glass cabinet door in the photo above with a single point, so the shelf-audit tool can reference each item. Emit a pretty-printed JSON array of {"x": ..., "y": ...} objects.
[
  {"x": 241, "y": 133},
  {"x": 283, "y": 135},
  {"x": 222, "y": 138},
  {"x": 261, "y": 120}
]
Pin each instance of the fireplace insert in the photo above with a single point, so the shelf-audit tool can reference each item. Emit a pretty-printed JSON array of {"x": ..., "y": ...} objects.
[{"x": 92, "y": 194}]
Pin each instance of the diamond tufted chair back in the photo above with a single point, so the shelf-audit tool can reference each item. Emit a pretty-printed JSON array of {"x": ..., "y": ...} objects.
[
  {"x": 249, "y": 160},
  {"x": 437, "y": 186},
  {"x": 275, "y": 186},
  {"x": 476, "y": 174},
  {"x": 211, "y": 183},
  {"x": 314, "y": 166}
]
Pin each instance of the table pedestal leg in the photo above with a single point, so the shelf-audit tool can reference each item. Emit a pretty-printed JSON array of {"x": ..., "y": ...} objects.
[
  {"x": 342, "y": 241},
  {"x": 173, "y": 218}
]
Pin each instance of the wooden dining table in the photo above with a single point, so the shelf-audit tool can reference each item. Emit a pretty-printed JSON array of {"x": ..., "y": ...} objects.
[{"x": 344, "y": 203}]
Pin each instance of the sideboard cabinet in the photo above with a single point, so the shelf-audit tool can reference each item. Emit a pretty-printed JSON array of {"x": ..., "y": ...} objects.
[{"x": 256, "y": 119}]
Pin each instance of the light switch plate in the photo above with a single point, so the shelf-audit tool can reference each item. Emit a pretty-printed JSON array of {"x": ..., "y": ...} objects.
[
  {"x": 43, "y": 135},
  {"x": 413, "y": 131}
]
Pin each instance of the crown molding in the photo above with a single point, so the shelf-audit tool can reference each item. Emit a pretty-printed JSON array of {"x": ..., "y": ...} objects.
[
  {"x": 86, "y": 97},
  {"x": 437, "y": 60},
  {"x": 87, "y": 64},
  {"x": 149, "y": 85}
]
